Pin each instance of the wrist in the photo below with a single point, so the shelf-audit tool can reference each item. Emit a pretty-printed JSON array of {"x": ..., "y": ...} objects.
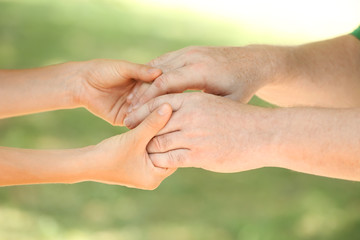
[
  {"x": 97, "y": 167},
  {"x": 82, "y": 89},
  {"x": 65, "y": 83},
  {"x": 274, "y": 64},
  {"x": 257, "y": 136},
  {"x": 279, "y": 61},
  {"x": 74, "y": 77},
  {"x": 86, "y": 164},
  {"x": 293, "y": 136}
]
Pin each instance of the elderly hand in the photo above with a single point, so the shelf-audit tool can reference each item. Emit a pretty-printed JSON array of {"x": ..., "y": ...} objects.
[
  {"x": 209, "y": 132},
  {"x": 234, "y": 72}
]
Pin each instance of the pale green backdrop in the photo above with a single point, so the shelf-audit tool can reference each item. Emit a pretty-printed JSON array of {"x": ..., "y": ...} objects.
[{"x": 265, "y": 204}]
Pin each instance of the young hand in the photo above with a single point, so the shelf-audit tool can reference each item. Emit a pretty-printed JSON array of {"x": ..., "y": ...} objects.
[
  {"x": 105, "y": 84},
  {"x": 99, "y": 85},
  {"x": 123, "y": 159}
]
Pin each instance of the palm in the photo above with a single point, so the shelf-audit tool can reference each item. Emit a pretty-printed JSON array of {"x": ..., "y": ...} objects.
[
  {"x": 110, "y": 104},
  {"x": 107, "y": 85}
]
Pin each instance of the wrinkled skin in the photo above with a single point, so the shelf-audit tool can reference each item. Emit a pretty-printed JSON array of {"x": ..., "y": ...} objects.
[{"x": 208, "y": 132}]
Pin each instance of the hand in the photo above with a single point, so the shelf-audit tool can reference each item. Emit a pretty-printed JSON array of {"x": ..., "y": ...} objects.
[
  {"x": 123, "y": 159},
  {"x": 234, "y": 72},
  {"x": 105, "y": 84},
  {"x": 209, "y": 132}
]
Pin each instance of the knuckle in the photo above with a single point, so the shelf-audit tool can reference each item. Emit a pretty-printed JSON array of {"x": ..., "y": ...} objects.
[
  {"x": 161, "y": 143},
  {"x": 176, "y": 159},
  {"x": 157, "y": 102},
  {"x": 156, "y": 61},
  {"x": 188, "y": 48},
  {"x": 97, "y": 61},
  {"x": 197, "y": 96},
  {"x": 157, "y": 143},
  {"x": 192, "y": 50},
  {"x": 152, "y": 105},
  {"x": 153, "y": 62},
  {"x": 161, "y": 82},
  {"x": 199, "y": 67}
]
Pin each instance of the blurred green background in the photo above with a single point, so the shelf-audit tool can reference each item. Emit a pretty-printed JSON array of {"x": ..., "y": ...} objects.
[{"x": 191, "y": 204}]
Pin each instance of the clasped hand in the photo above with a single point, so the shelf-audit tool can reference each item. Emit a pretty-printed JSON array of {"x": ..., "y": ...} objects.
[
  {"x": 205, "y": 130},
  {"x": 102, "y": 87},
  {"x": 213, "y": 130}
]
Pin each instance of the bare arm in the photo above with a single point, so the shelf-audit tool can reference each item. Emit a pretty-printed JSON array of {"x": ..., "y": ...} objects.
[
  {"x": 325, "y": 73},
  {"x": 318, "y": 141},
  {"x": 39, "y": 89},
  {"x": 23, "y": 166}
]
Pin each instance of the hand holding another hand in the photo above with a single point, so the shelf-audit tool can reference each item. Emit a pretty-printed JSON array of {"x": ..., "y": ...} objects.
[
  {"x": 233, "y": 72},
  {"x": 105, "y": 84},
  {"x": 209, "y": 132},
  {"x": 123, "y": 159}
]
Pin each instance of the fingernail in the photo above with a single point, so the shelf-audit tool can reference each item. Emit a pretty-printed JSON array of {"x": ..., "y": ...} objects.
[
  {"x": 127, "y": 122},
  {"x": 130, "y": 96},
  {"x": 162, "y": 110},
  {"x": 153, "y": 70}
]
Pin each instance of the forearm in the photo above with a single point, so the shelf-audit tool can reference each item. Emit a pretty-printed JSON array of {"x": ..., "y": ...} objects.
[
  {"x": 325, "y": 74},
  {"x": 23, "y": 166},
  {"x": 323, "y": 142},
  {"x": 39, "y": 89}
]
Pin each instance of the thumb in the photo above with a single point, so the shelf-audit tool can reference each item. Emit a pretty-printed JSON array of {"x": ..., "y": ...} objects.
[
  {"x": 139, "y": 71},
  {"x": 153, "y": 123}
]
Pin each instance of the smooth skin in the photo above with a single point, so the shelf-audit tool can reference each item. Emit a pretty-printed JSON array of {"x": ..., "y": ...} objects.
[
  {"x": 223, "y": 135},
  {"x": 101, "y": 86}
]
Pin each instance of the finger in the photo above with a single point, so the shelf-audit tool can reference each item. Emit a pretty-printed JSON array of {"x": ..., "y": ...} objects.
[
  {"x": 172, "y": 64},
  {"x": 166, "y": 142},
  {"x": 153, "y": 123},
  {"x": 120, "y": 116},
  {"x": 136, "y": 71},
  {"x": 241, "y": 97},
  {"x": 137, "y": 93},
  {"x": 130, "y": 97},
  {"x": 177, "y": 58},
  {"x": 176, "y": 81},
  {"x": 172, "y": 159},
  {"x": 138, "y": 115},
  {"x": 163, "y": 59}
]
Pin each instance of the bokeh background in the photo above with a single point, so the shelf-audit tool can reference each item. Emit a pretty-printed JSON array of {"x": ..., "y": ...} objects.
[{"x": 192, "y": 204}]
